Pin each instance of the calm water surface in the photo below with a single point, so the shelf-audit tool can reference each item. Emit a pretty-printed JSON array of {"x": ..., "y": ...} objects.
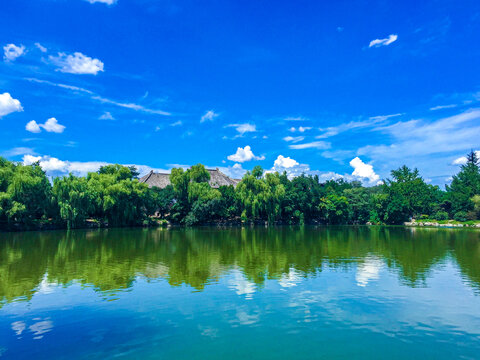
[{"x": 252, "y": 293}]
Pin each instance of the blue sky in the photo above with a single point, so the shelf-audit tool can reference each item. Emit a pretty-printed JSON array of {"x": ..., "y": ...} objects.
[{"x": 336, "y": 88}]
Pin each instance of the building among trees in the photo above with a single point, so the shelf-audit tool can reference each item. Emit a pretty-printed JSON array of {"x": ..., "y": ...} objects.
[{"x": 162, "y": 180}]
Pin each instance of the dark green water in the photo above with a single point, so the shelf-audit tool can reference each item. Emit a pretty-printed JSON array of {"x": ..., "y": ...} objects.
[{"x": 285, "y": 293}]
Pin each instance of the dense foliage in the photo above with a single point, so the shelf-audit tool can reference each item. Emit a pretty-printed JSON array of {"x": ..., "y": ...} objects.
[{"x": 113, "y": 196}]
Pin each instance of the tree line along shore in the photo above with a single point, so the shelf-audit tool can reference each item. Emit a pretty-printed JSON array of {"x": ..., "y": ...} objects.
[{"x": 114, "y": 197}]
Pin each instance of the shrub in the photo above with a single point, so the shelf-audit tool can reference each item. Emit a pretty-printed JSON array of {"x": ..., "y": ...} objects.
[
  {"x": 460, "y": 216},
  {"x": 441, "y": 215},
  {"x": 471, "y": 215}
]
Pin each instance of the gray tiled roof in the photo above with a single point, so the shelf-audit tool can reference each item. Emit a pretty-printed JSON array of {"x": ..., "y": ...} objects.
[{"x": 161, "y": 180}]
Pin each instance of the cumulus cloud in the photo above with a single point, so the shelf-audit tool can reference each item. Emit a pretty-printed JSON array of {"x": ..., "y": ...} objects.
[
  {"x": 33, "y": 127},
  {"x": 12, "y": 51},
  {"x": 210, "y": 115},
  {"x": 106, "y": 116},
  {"x": 56, "y": 167},
  {"x": 235, "y": 172},
  {"x": 244, "y": 154},
  {"x": 294, "y": 139},
  {"x": 77, "y": 63},
  {"x": 383, "y": 42},
  {"x": 243, "y": 128},
  {"x": 300, "y": 129},
  {"x": 364, "y": 171},
  {"x": 463, "y": 159},
  {"x": 108, "y": 2},
  {"x": 312, "y": 145},
  {"x": 291, "y": 166},
  {"x": 176, "y": 123},
  {"x": 51, "y": 125},
  {"x": 9, "y": 105},
  {"x": 285, "y": 162}
]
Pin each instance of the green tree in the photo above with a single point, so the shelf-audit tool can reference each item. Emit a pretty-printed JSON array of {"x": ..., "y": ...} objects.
[
  {"x": 74, "y": 199},
  {"x": 465, "y": 185}
]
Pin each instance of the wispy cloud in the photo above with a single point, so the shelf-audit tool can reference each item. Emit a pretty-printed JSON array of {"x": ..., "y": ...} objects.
[
  {"x": 441, "y": 107},
  {"x": 106, "y": 116},
  {"x": 312, "y": 145},
  {"x": 18, "y": 151},
  {"x": 101, "y": 99},
  {"x": 243, "y": 128},
  {"x": 352, "y": 125},
  {"x": 295, "y": 118},
  {"x": 210, "y": 115},
  {"x": 107, "y": 2},
  {"x": 383, "y": 42},
  {"x": 294, "y": 139},
  {"x": 420, "y": 138},
  {"x": 39, "y": 46}
]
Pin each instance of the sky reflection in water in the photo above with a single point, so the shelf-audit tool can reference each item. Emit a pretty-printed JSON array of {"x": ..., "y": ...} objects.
[{"x": 337, "y": 292}]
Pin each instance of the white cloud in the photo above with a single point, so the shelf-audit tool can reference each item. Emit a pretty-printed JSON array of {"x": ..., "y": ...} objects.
[
  {"x": 295, "y": 118},
  {"x": 77, "y": 63},
  {"x": 56, "y": 167},
  {"x": 210, "y": 115},
  {"x": 51, "y": 125},
  {"x": 291, "y": 166},
  {"x": 33, "y": 127},
  {"x": 235, "y": 172},
  {"x": 312, "y": 145},
  {"x": 131, "y": 106},
  {"x": 106, "y": 116},
  {"x": 300, "y": 129},
  {"x": 415, "y": 138},
  {"x": 76, "y": 89},
  {"x": 8, "y": 104},
  {"x": 352, "y": 125},
  {"x": 294, "y": 139},
  {"x": 243, "y": 128},
  {"x": 285, "y": 162},
  {"x": 17, "y": 151},
  {"x": 39, "y": 46},
  {"x": 463, "y": 159},
  {"x": 176, "y": 123},
  {"x": 364, "y": 171},
  {"x": 244, "y": 154},
  {"x": 12, "y": 51},
  {"x": 383, "y": 42},
  {"x": 441, "y": 107},
  {"x": 108, "y": 2}
]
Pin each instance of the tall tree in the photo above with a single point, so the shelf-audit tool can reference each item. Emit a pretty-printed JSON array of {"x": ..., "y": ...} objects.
[{"x": 465, "y": 185}]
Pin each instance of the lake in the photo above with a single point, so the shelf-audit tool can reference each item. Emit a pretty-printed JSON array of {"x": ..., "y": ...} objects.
[{"x": 241, "y": 293}]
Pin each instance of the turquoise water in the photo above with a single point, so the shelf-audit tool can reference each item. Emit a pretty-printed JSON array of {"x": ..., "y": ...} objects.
[{"x": 251, "y": 293}]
